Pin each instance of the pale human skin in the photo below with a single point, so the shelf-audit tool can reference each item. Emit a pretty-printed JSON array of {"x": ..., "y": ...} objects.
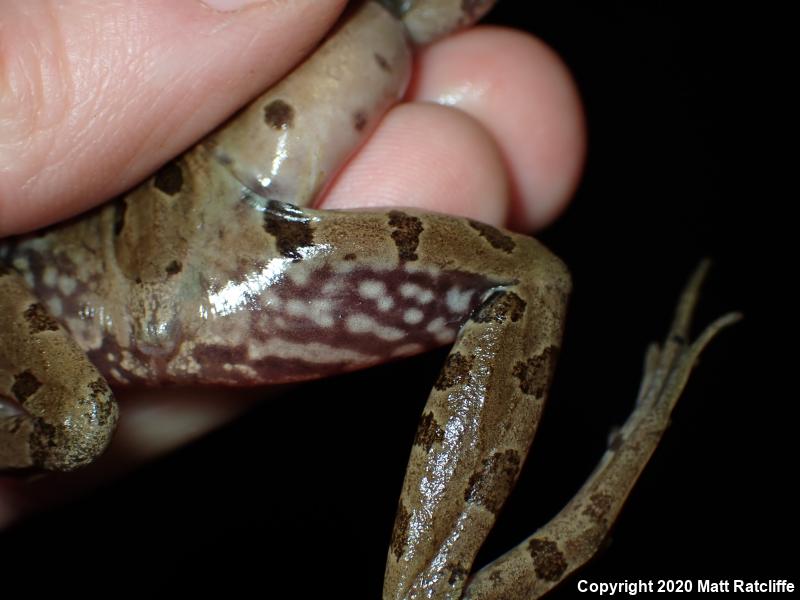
[{"x": 539, "y": 171}]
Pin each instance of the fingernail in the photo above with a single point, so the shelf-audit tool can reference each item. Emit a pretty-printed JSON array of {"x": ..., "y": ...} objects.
[{"x": 229, "y": 5}]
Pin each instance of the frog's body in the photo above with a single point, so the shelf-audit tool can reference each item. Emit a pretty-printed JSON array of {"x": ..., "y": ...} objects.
[{"x": 204, "y": 274}]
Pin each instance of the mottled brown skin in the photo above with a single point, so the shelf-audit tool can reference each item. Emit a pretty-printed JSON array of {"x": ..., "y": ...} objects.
[{"x": 203, "y": 274}]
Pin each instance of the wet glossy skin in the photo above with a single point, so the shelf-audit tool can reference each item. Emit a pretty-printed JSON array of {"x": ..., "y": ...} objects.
[{"x": 204, "y": 274}]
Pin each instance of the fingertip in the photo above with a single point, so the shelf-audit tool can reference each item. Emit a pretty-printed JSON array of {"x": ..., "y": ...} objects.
[
  {"x": 522, "y": 92},
  {"x": 430, "y": 157},
  {"x": 100, "y": 95}
]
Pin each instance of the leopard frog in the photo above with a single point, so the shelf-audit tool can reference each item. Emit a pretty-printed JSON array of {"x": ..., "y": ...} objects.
[{"x": 212, "y": 271}]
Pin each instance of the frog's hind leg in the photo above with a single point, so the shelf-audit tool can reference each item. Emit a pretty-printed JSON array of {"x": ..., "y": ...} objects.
[
  {"x": 481, "y": 415},
  {"x": 573, "y": 536},
  {"x": 56, "y": 411}
]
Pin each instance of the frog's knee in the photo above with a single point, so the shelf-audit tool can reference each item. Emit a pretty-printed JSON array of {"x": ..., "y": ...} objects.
[
  {"x": 80, "y": 433},
  {"x": 54, "y": 430},
  {"x": 545, "y": 270}
]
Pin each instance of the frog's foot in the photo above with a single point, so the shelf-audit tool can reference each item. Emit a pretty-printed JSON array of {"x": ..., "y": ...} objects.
[
  {"x": 56, "y": 410},
  {"x": 573, "y": 536}
]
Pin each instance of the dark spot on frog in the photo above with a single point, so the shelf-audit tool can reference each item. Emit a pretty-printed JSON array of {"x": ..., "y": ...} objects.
[
  {"x": 169, "y": 179},
  {"x": 494, "y": 236},
  {"x": 360, "y": 120},
  {"x": 103, "y": 400},
  {"x": 492, "y": 482},
  {"x": 43, "y": 437},
  {"x": 382, "y": 62},
  {"x": 120, "y": 209},
  {"x": 279, "y": 115},
  {"x": 350, "y": 256},
  {"x": 678, "y": 339},
  {"x": 598, "y": 507},
  {"x": 4, "y": 270},
  {"x": 458, "y": 574},
  {"x": 174, "y": 268},
  {"x": 496, "y": 575},
  {"x": 99, "y": 388},
  {"x": 535, "y": 373},
  {"x": 400, "y": 531},
  {"x": 548, "y": 561},
  {"x": 25, "y": 385},
  {"x": 39, "y": 320},
  {"x": 499, "y": 307},
  {"x": 406, "y": 234},
  {"x": 429, "y": 432},
  {"x": 454, "y": 372},
  {"x": 290, "y": 226}
]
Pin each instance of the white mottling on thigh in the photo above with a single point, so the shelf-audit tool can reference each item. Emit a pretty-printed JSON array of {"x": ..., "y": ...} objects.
[
  {"x": 332, "y": 287},
  {"x": 361, "y": 323},
  {"x": 133, "y": 365},
  {"x": 320, "y": 313},
  {"x": 372, "y": 288},
  {"x": 408, "y": 349},
  {"x": 458, "y": 301},
  {"x": 21, "y": 263},
  {"x": 436, "y": 325},
  {"x": 409, "y": 290},
  {"x": 117, "y": 375},
  {"x": 55, "y": 306},
  {"x": 385, "y": 303},
  {"x": 344, "y": 266},
  {"x": 270, "y": 299},
  {"x": 415, "y": 267},
  {"x": 67, "y": 285},
  {"x": 412, "y": 290},
  {"x": 309, "y": 351},
  {"x": 49, "y": 276},
  {"x": 185, "y": 362},
  {"x": 413, "y": 316},
  {"x": 299, "y": 273},
  {"x": 445, "y": 336},
  {"x": 296, "y": 308},
  {"x": 425, "y": 296}
]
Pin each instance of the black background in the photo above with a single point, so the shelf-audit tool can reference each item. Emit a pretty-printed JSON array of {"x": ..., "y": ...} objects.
[{"x": 302, "y": 492}]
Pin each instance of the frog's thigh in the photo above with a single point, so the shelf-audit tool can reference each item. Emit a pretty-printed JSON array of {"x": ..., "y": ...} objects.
[
  {"x": 56, "y": 411},
  {"x": 478, "y": 423},
  {"x": 573, "y": 536}
]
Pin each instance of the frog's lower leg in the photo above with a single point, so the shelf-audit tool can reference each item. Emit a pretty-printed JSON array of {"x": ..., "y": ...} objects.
[
  {"x": 56, "y": 411},
  {"x": 572, "y": 537},
  {"x": 478, "y": 423}
]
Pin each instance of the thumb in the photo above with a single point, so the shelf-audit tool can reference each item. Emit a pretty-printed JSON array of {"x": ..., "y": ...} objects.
[{"x": 95, "y": 95}]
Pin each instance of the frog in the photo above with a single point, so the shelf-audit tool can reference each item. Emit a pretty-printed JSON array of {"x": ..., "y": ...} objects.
[{"x": 146, "y": 291}]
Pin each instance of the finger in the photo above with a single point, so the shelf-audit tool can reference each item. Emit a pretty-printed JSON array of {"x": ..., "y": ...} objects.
[
  {"x": 523, "y": 94},
  {"x": 95, "y": 96},
  {"x": 508, "y": 128},
  {"x": 426, "y": 156}
]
